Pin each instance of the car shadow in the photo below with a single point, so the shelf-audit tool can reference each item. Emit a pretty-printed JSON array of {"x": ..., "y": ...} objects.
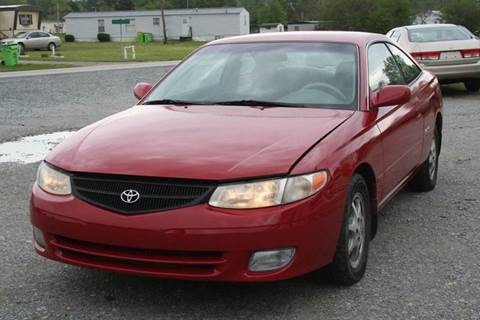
[
  {"x": 192, "y": 298},
  {"x": 456, "y": 90}
]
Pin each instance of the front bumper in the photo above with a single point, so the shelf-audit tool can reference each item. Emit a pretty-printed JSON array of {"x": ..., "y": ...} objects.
[
  {"x": 455, "y": 71},
  {"x": 197, "y": 243}
]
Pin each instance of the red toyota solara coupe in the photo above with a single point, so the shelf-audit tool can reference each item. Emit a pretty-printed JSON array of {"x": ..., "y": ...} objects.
[{"x": 258, "y": 158}]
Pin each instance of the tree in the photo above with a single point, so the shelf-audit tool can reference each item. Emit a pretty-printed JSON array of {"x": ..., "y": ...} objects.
[
  {"x": 165, "y": 40},
  {"x": 367, "y": 15},
  {"x": 463, "y": 12},
  {"x": 389, "y": 14},
  {"x": 124, "y": 5},
  {"x": 273, "y": 11}
]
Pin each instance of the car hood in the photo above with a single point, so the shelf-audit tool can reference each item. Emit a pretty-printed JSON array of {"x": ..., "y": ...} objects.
[
  {"x": 197, "y": 142},
  {"x": 8, "y": 41}
]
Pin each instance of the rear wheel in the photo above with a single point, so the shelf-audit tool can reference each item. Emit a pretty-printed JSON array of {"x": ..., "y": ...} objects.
[
  {"x": 52, "y": 46},
  {"x": 349, "y": 264},
  {"x": 426, "y": 177},
  {"x": 472, "y": 85}
]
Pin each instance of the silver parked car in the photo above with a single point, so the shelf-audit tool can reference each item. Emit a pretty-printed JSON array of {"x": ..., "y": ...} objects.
[
  {"x": 449, "y": 51},
  {"x": 34, "y": 40}
]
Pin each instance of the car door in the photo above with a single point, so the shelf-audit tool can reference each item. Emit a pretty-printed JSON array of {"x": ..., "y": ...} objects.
[
  {"x": 43, "y": 40},
  {"x": 401, "y": 126},
  {"x": 424, "y": 92},
  {"x": 33, "y": 40}
]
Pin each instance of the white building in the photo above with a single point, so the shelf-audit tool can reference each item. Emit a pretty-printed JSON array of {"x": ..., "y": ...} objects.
[
  {"x": 19, "y": 18},
  {"x": 199, "y": 24},
  {"x": 429, "y": 17},
  {"x": 271, "y": 27},
  {"x": 303, "y": 26}
]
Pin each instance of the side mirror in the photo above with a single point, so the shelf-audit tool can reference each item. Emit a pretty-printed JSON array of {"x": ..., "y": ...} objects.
[
  {"x": 141, "y": 89},
  {"x": 390, "y": 96}
]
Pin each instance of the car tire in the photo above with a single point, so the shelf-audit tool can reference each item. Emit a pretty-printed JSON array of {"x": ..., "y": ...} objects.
[
  {"x": 350, "y": 261},
  {"x": 51, "y": 46},
  {"x": 426, "y": 177},
  {"x": 22, "y": 48},
  {"x": 472, "y": 85}
]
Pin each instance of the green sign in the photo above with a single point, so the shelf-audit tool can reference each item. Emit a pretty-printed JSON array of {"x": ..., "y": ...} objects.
[{"x": 120, "y": 21}]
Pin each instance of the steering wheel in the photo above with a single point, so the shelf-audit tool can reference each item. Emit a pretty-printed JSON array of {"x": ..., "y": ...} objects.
[{"x": 327, "y": 88}]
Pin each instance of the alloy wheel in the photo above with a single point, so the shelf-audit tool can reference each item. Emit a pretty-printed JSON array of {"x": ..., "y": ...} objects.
[
  {"x": 432, "y": 159},
  {"x": 356, "y": 230}
]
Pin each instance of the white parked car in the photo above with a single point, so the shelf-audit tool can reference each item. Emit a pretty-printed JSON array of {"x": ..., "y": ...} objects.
[
  {"x": 34, "y": 40},
  {"x": 449, "y": 51}
]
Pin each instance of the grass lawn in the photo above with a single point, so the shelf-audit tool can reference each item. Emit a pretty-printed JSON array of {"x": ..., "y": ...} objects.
[
  {"x": 28, "y": 67},
  {"x": 113, "y": 51}
]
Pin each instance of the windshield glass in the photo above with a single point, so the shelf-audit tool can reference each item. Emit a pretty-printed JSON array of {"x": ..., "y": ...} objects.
[
  {"x": 290, "y": 74},
  {"x": 437, "y": 34},
  {"x": 21, "y": 35}
]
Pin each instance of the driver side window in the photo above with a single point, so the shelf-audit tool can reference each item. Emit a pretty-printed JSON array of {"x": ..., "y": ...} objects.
[{"x": 382, "y": 68}]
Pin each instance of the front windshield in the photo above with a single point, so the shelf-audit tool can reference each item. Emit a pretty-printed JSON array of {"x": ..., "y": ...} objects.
[
  {"x": 21, "y": 35},
  {"x": 295, "y": 74}
]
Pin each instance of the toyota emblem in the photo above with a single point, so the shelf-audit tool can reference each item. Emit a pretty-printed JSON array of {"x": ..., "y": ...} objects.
[{"x": 130, "y": 196}]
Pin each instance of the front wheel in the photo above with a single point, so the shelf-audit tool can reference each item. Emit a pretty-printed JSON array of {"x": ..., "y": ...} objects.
[
  {"x": 472, "y": 85},
  {"x": 350, "y": 262},
  {"x": 52, "y": 46},
  {"x": 22, "y": 48}
]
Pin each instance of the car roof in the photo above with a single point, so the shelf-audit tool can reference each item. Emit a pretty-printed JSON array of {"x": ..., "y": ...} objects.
[
  {"x": 359, "y": 38},
  {"x": 430, "y": 25}
]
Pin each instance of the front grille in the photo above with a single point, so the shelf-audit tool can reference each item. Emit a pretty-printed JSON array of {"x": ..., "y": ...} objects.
[
  {"x": 145, "y": 261},
  {"x": 155, "y": 194}
]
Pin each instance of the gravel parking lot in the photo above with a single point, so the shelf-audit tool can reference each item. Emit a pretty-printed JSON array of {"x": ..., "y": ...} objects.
[{"x": 424, "y": 262}]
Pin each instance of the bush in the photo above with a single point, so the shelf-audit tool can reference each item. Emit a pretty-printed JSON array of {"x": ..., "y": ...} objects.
[
  {"x": 103, "y": 37},
  {"x": 69, "y": 38}
]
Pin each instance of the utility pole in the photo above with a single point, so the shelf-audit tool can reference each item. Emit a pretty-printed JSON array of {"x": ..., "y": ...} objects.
[{"x": 165, "y": 40}]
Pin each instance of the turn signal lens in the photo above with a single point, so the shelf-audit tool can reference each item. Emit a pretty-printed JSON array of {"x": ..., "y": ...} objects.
[
  {"x": 268, "y": 193},
  {"x": 39, "y": 238},
  {"x": 300, "y": 187},
  {"x": 53, "y": 181}
]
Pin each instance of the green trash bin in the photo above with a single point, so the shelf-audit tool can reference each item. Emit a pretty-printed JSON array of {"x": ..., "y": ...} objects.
[
  {"x": 140, "y": 37},
  {"x": 10, "y": 54},
  {"x": 148, "y": 37}
]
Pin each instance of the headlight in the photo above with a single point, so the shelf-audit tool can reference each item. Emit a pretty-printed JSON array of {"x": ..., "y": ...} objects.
[
  {"x": 261, "y": 194},
  {"x": 53, "y": 181}
]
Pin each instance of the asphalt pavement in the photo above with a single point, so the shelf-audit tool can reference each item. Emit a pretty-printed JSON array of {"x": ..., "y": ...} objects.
[{"x": 423, "y": 264}]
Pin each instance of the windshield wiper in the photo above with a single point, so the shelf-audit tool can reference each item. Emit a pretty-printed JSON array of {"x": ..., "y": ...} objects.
[
  {"x": 259, "y": 103},
  {"x": 172, "y": 101}
]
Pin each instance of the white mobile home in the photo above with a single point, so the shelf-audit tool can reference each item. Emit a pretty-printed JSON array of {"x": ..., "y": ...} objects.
[
  {"x": 203, "y": 24},
  {"x": 19, "y": 18},
  {"x": 272, "y": 27},
  {"x": 303, "y": 26}
]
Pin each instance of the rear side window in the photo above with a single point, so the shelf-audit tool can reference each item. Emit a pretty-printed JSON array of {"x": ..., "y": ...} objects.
[
  {"x": 435, "y": 34},
  {"x": 382, "y": 68},
  {"x": 395, "y": 36},
  {"x": 409, "y": 69}
]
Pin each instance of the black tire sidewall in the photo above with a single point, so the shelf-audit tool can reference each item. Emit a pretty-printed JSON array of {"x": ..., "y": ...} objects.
[
  {"x": 51, "y": 44},
  {"x": 341, "y": 264},
  {"x": 472, "y": 85},
  {"x": 433, "y": 182}
]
